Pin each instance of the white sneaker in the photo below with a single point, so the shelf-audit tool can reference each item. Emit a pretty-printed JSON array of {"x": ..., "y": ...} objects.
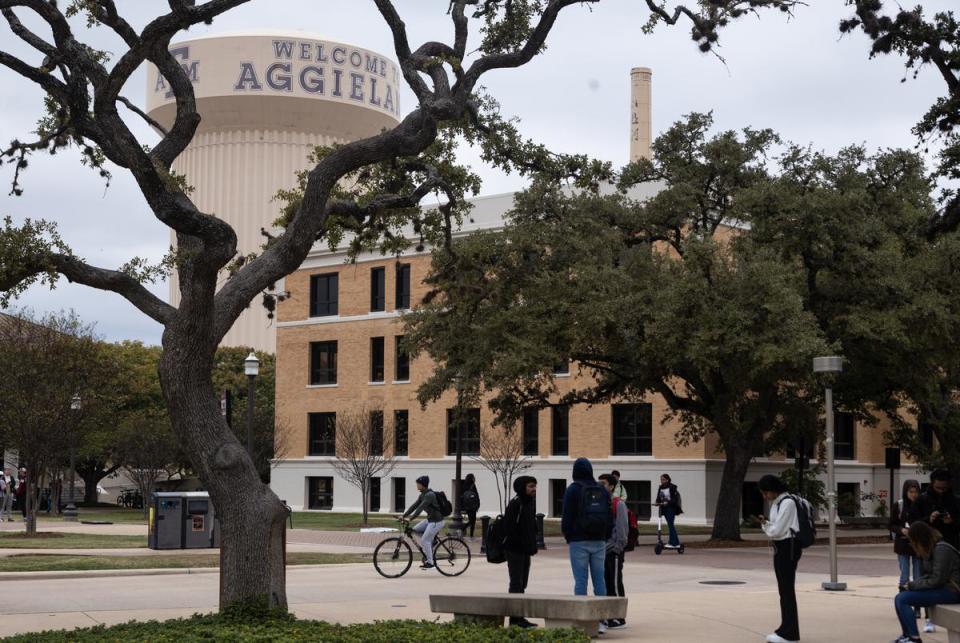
[
  {"x": 929, "y": 627},
  {"x": 776, "y": 638},
  {"x": 602, "y": 628}
]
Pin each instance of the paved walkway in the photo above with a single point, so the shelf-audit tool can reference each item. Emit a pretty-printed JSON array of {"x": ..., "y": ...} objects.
[{"x": 668, "y": 602}]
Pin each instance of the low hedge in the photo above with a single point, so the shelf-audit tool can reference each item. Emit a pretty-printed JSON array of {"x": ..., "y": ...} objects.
[{"x": 287, "y": 628}]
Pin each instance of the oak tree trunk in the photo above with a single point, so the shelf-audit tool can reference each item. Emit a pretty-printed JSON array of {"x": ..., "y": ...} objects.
[
  {"x": 251, "y": 518},
  {"x": 726, "y": 519}
]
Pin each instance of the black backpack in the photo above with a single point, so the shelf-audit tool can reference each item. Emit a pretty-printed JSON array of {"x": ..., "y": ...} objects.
[
  {"x": 471, "y": 501},
  {"x": 595, "y": 511},
  {"x": 808, "y": 530},
  {"x": 495, "y": 539},
  {"x": 445, "y": 507}
]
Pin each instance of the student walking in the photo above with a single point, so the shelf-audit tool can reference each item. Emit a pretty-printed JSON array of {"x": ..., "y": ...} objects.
[
  {"x": 470, "y": 502},
  {"x": 586, "y": 524},
  {"x": 6, "y": 494},
  {"x": 618, "y": 490},
  {"x": 781, "y": 528},
  {"x": 905, "y": 512},
  {"x": 613, "y": 562},
  {"x": 670, "y": 506},
  {"x": 429, "y": 528},
  {"x": 939, "y": 581},
  {"x": 520, "y": 538}
]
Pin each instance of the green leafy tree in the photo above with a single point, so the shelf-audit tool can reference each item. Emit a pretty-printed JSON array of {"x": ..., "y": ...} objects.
[{"x": 83, "y": 106}]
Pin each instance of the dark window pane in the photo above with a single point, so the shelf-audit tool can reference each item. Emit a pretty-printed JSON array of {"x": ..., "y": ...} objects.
[
  {"x": 401, "y": 426},
  {"x": 557, "y": 488},
  {"x": 560, "y": 430},
  {"x": 632, "y": 429},
  {"x": 469, "y": 433},
  {"x": 378, "y": 289},
  {"x": 323, "y": 434},
  {"x": 926, "y": 434},
  {"x": 324, "y": 293},
  {"x": 320, "y": 493},
  {"x": 562, "y": 369},
  {"x": 403, "y": 286},
  {"x": 399, "y": 495},
  {"x": 374, "y": 494},
  {"x": 402, "y": 361},
  {"x": 638, "y": 497},
  {"x": 531, "y": 431},
  {"x": 376, "y": 432},
  {"x": 323, "y": 362},
  {"x": 376, "y": 359},
  {"x": 844, "y": 432}
]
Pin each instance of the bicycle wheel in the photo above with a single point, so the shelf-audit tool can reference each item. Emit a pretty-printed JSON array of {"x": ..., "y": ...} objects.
[
  {"x": 393, "y": 557},
  {"x": 451, "y": 556}
]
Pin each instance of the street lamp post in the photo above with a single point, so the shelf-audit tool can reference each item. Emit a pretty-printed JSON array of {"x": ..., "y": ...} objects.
[
  {"x": 251, "y": 366},
  {"x": 830, "y": 366},
  {"x": 70, "y": 512}
]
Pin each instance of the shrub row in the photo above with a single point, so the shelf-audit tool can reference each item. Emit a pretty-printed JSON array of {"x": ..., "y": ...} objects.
[{"x": 287, "y": 628}]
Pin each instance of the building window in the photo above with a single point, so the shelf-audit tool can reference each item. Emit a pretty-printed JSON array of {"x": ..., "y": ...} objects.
[
  {"x": 402, "y": 361},
  {"x": 324, "y": 293},
  {"x": 562, "y": 369},
  {"x": 320, "y": 493},
  {"x": 638, "y": 497},
  {"x": 632, "y": 429},
  {"x": 399, "y": 495},
  {"x": 376, "y": 432},
  {"x": 558, "y": 487},
  {"x": 531, "y": 431},
  {"x": 323, "y": 434},
  {"x": 926, "y": 434},
  {"x": 403, "y": 286},
  {"x": 560, "y": 430},
  {"x": 376, "y": 359},
  {"x": 469, "y": 432},
  {"x": 844, "y": 431},
  {"x": 323, "y": 363},
  {"x": 378, "y": 290},
  {"x": 401, "y": 425},
  {"x": 374, "y": 494}
]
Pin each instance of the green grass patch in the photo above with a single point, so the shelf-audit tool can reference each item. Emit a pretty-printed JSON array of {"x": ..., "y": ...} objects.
[
  {"x": 278, "y": 628},
  {"x": 58, "y": 540},
  {"x": 64, "y": 562},
  {"x": 118, "y": 515}
]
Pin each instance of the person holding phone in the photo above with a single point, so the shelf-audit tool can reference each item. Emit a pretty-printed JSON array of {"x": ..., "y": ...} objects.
[
  {"x": 938, "y": 506},
  {"x": 781, "y": 527}
]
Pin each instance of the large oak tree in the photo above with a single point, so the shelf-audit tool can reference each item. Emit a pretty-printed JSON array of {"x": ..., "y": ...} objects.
[{"x": 83, "y": 89}]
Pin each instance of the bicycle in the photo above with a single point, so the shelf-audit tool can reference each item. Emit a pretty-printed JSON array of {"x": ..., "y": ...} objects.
[{"x": 393, "y": 556}]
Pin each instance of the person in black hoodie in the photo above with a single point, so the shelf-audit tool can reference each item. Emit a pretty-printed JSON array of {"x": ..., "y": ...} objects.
[
  {"x": 668, "y": 500},
  {"x": 520, "y": 539}
]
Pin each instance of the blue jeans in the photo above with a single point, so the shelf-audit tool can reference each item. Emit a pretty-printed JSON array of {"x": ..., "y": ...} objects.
[
  {"x": 428, "y": 531},
  {"x": 670, "y": 514},
  {"x": 587, "y": 556},
  {"x": 908, "y": 564},
  {"x": 905, "y": 602}
]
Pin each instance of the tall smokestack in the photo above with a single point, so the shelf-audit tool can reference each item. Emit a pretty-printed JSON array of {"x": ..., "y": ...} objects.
[{"x": 641, "y": 130}]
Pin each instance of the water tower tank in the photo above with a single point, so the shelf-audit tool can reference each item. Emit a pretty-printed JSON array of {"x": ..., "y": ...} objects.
[{"x": 267, "y": 99}]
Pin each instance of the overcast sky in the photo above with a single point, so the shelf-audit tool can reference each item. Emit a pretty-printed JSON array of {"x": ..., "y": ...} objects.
[{"x": 797, "y": 77}]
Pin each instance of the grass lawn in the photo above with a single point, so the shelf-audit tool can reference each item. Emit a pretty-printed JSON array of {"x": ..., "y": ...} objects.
[
  {"x": 60, "y": 562},
  {"x": 105, "y": 514},
  {"x": 332, "y": 521},
  {"x": 55, "y": 540}
]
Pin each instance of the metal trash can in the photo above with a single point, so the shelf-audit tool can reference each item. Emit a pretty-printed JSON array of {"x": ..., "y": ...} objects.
[{"x": 182, "y": 520}]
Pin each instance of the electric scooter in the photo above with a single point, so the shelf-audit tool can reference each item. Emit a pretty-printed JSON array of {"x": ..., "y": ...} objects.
[{"x": 660, "y": 546}]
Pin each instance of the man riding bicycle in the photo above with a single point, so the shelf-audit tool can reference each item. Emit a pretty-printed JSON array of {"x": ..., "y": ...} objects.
[{"x": 427, "y": 529}]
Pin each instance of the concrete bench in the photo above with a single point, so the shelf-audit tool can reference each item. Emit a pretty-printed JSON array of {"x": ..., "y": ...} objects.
[
  {"x": 947, "y": 617},
  {"x": 581, "y": 612}
]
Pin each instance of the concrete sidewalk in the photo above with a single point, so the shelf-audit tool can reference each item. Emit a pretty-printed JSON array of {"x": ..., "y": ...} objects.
[{"x": 668, "y": 602}]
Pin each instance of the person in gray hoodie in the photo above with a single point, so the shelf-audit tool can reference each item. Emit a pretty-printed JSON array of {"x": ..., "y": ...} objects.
[
  {"x": 616, "y": 544},
  {"x": 939, "y": 581}
]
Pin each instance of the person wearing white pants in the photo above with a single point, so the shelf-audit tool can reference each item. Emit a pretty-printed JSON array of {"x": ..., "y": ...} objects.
[{"x": 428, "y": 529}]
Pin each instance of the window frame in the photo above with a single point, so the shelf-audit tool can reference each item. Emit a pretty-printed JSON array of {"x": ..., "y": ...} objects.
[
  {"x": 531, "y": 431},
  {"x": 377, "y": 349},
  {"x": 472, "y": 422},
  {"x": 313, "y": 496},
  {"x": 330, "y": 442},
  {"x": 397, "y": 432},
  {"x": 401, "y": 361},
  {"x": 376, "y": 432},
  {"x": 643, "y": 436},
  {"x": 402, "y": 287},
  {"x": 329, "y": 307},
  {"x": 844, "y": 449},
  {"x": 558, "y": 411},
  {"x": 378, "y": 289},
  {"x": 315, "y": 349}
]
